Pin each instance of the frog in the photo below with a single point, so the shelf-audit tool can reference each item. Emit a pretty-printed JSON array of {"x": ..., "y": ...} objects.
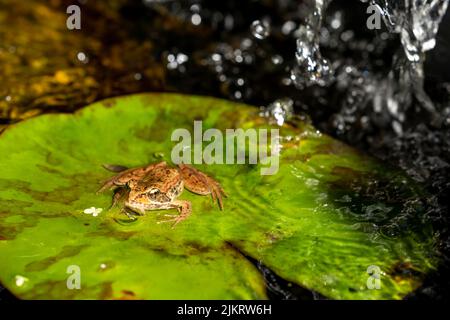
[{"x": 158, "y": 186}]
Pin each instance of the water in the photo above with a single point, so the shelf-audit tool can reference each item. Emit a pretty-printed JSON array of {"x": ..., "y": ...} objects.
[
  {"x": 417, "y": 22},
  {"x": 311, "y": 68},
  {"x": 279, "y": 111},
  {"x": 260, "y": 29}
]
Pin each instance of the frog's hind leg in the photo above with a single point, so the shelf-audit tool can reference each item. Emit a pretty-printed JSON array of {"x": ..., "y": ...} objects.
[
  {"x": 184, "y": 208},
  {"x": 119, "y": 180},
  {"x": 114, "y": 167},
  {"x": 199, "y": 183},
  {"x": 125, "y": 176}
]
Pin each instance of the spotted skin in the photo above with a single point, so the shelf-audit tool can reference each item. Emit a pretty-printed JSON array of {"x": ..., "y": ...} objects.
[{"x": 157, "y": 187}]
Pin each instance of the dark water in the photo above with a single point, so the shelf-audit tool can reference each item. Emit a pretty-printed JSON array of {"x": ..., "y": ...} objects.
[{"x": 208, "y": 48}]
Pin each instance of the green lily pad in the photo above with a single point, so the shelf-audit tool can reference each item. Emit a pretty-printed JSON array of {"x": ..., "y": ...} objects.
[{"x": 328, "y": 215}]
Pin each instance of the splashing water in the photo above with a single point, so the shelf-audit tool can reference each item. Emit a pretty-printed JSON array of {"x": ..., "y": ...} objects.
[
  {"x": 417, "y": 22},
  {"x": 311, "y": 67},
  {"x": 280, "y": 111}
]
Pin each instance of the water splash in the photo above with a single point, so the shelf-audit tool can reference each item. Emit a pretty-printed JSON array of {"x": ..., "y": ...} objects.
[
  {"x": 311, "y": 67},
  {"x": 280, "y": 111},
  {"x": 417, "y": 23}
]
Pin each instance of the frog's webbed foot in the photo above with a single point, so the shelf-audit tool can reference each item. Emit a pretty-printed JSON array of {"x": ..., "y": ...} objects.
[
  {"x": 199, "y": 183},
  {"x": 132, "y": 213},
  {"x": 184, "y": 208}
]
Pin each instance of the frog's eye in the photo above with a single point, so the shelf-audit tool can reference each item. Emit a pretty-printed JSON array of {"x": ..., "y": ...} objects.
[{"x": 154, "y": 191}]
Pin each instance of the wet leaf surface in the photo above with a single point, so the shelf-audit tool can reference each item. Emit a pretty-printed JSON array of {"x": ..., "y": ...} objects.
[{"x": 320, "y": 222}]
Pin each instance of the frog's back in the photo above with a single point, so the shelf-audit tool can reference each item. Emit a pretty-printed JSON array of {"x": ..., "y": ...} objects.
[{"x": 162, "y": 178}]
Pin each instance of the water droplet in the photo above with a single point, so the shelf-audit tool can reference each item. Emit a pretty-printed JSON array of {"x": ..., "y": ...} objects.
[
  {"x": 311, "y": 67},
  {"x": 238, "y": 95},
  {"x": 20, "y": 280},
  {"x": 277, "y": 59},
  {"x": 280, "y": 110},
  {"x": 81, "y": 56},
  {"x": 196, "y": 19},
  {"x": 176, "y": 61},
  {"x": 229, "y": 22},
  {"x": 336, "y": 20},
  {"x": 246, "y": 43},
  {"x": 238, "y": 56},
  {"x": 216, "y": 57},
  {"x": 288, "y": 27},
  {"x": 195, "y": 8},
  {"x": 260, "y": 29},
  {"x": 182, "y": 58}
]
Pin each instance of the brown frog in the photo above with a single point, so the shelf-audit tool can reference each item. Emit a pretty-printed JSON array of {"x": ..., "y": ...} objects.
[{"x": 157, "y": 187}]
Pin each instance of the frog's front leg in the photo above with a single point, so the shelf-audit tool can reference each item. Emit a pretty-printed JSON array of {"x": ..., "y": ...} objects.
[
  {"x": 119, "y": 196},
  {"x": 184, "y": 208},
  {"x": 129, "y": 213},
  {"x": 134, "y": 209}
]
